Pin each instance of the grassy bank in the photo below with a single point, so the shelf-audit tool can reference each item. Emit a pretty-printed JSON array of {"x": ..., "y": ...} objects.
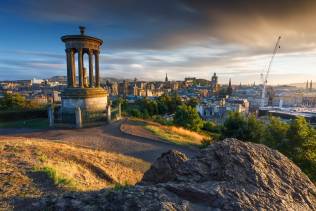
[
  {"x": 177, "y": 135},
  {"x": 36, "y": 167}
]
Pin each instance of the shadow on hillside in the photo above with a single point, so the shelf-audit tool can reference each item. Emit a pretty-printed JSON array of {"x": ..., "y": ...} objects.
[
  {"x": 43, "y": 183},
  {"x": 107, "y": 137}
]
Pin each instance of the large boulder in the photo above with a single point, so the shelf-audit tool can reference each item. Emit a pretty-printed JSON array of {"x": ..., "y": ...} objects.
[
  {"x": 164, "y": 168},
  {"x": 228, "y": 175}
]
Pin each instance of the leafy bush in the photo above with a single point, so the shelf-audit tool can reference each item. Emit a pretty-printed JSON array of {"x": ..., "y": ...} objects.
[
  {"x": 17, "y": 102},
  {"x": 243, "y": 128},
  {"x": 205, "y": 143},
  {"x": 211, "y": 127},
  {"x": 162, "y": 120},
  {"x": 23, "y": 115},
  {"x": 188, "y": 117},
  {"x": 135, "y": 113}
]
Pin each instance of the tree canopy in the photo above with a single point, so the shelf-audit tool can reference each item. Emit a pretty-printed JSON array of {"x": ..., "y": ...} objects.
[{"x": 188, "y": 117}]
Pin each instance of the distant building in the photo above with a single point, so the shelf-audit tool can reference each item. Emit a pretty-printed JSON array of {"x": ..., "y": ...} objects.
[
  {"x": 38, "y": 99},
  {"x": 215, "y": 87},
  {"x": 287, "y": 114},
  {"x": 287, "y": 99},
  {"x": 230, "y": 88},
  {"x": 218, "y": 109},
  {"x": 114, "y": 88},
  {"x": 37, "y": 81},
  {"x": 309, "y": 100},
  {"x": 123, "y": 88},
  {"x": 189, "y": 81}
]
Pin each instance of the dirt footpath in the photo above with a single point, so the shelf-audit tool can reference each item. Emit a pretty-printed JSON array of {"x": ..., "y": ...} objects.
[{"x": 107, "y": 137}]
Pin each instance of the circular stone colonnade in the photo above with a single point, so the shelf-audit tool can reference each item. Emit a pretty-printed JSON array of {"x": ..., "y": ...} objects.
[{"x": 85, "y": 95}]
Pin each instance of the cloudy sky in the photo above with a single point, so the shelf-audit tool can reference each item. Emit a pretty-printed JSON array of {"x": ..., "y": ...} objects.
[{"x": 148, "y": 38}]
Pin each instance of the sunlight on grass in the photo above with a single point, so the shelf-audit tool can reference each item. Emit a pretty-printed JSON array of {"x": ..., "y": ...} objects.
[
  {"x": 55, "y": 176},
  {"x": 70, "y": 168},
  {"x": 176, "y": 135}
]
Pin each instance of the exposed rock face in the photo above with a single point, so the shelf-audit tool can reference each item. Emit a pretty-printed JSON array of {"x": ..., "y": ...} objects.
[
  {"x": 228, "y": 175},
  {"x": 164, "y": 169}
]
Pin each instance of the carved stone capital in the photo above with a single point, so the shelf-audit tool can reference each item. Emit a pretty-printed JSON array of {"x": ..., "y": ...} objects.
[
  {"x": 90, "y": 52},
  {"x": 70, "y": 50},
  {"x": 96, "y": 52}
]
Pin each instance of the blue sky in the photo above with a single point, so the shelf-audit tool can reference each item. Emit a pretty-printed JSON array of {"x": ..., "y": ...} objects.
[{"x": 146, "y": 38}]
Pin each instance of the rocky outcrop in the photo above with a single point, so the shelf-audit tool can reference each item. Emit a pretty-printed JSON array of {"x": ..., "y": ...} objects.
[
  {"x": 164, "y": 169},
  {"x": 228, "y": 175}
]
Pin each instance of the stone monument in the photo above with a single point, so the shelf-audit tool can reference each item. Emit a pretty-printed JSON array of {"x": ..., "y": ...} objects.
[{"x": 86, "y": 93}]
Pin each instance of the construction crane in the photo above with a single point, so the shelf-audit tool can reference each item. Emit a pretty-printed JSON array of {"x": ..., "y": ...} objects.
[{"x": 265, "y": 79}]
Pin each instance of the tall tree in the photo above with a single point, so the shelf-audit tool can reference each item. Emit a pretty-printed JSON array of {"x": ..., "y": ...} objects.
[
  {"x": 188, "y": 117},
  {"x": 276, "y": 133},
  {"x": 243, "y": 128}
]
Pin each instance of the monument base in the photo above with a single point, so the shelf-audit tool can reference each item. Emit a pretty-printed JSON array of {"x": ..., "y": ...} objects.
[{"x": 91, "y": 101}]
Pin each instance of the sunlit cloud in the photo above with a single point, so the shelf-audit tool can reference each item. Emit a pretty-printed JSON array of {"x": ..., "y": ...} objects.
[{"x": 178, "y": 37}]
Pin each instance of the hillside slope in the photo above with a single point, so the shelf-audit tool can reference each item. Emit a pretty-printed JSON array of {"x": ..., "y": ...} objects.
[
  {"x": 31, "y": 168},
  {"x": 228, "y": 175}
]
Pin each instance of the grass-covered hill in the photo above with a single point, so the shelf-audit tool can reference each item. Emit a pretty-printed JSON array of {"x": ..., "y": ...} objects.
[{"x": 31, "y": 168}]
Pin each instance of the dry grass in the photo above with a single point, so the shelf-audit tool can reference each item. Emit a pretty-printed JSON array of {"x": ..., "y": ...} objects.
[
  {"x": 187, "y": 133},
  {"x": 23, "y": 162},
  {"x": 177, "y": 135}
]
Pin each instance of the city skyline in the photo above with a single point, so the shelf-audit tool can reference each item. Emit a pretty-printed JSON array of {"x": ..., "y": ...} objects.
[{"x": 148, "y": 39}]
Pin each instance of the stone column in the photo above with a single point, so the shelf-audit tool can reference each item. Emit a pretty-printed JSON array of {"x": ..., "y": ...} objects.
[
  {"x": 97, "y": 73},
  {"x": 80, "y": 67},
  {"x": 90, "y": 69},
  {"x": 108, "y": 116},
  {"x": 68, "y": 68},
  {"x": 119, "y": 111},
  {"x": 78, "y": 117},
  {"x": 73, "y": 68},
  {"x": 51, "y": 116},
  {"x": 84, "y": 77}
]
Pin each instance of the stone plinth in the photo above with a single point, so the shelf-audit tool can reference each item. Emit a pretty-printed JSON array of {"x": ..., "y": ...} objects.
[{"x": 91, "y": 101}]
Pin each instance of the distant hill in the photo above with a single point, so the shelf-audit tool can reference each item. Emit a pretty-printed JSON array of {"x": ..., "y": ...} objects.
[
  {"x": 58, "y": 78},
  {"x": 298, "y": 85}
]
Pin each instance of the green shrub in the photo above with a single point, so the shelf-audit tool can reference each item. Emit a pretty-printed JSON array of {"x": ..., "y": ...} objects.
[
  {"x": 119, "y": 186},
  {"x": 11, "y": 115},
  {"x": 53, "y": 175},
  {"x": 205, "y": 143},
  {"x": 135, "y": 113},
  {"x": 211, "y": 127},
  {"x": 188, "y": 117}
]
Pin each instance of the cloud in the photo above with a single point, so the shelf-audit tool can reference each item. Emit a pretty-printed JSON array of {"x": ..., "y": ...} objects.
[
  {"x": 167, "y": 24},
  {"x": 181, "y": 37}
]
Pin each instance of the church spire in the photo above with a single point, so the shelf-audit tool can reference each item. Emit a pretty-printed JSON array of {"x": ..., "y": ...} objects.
[
  {"x": 166, "y": 79},
  {"x": 230, "y": 88}
]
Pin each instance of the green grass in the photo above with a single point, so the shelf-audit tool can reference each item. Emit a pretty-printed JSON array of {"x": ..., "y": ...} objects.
[
  {"x": 119, "y": 187},
  {"x": 40, "y": 123},
  {"x": 57, "y": 179}
]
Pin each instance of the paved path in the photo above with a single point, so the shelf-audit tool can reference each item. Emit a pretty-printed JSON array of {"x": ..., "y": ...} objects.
[{"x": 107, "y": 137}]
